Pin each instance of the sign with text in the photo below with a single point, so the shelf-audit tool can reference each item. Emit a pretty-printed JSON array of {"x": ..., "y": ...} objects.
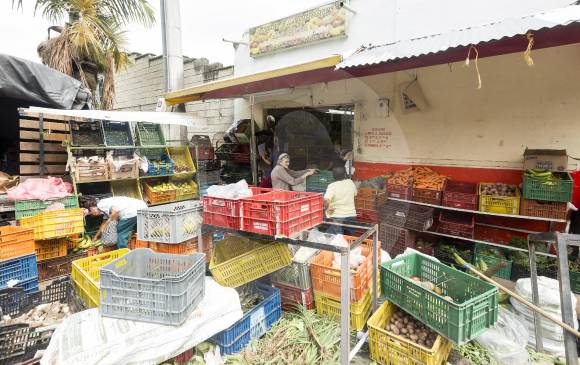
[
  {"x": 321, "y": 23},
  {"x": 377, "y": 138}
]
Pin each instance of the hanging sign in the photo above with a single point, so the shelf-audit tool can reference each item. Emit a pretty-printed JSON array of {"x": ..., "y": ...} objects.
[{"x": 318, "y": 24}]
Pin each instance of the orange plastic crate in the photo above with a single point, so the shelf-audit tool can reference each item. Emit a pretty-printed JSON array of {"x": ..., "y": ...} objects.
[
  {"x": 50, "y": 249},
  {"x": 326, "y": 278},
  {"x": 159, "y": 197},
  {"x": 16, "y": 242},
  {"x": 188, "y": 247}
]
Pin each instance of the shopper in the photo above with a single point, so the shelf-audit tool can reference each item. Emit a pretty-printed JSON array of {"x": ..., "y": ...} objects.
[
  {"x": 283, "y": 178},
  {"x": 339, "y": 201},
  {"x": 118, "y": 210}
]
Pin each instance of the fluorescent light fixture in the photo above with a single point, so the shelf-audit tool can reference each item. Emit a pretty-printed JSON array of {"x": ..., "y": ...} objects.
[
  {"x": 341, "y": 112},
  {"x": 286, "y": 91}
]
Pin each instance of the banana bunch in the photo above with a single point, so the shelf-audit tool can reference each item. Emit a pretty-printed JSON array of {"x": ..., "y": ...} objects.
[
  {"x": 163, "y": 187},
  {"x": 186, "y": 188},
  {"x": 85, "y": 243},
  {"x": 540, "y": 174}
]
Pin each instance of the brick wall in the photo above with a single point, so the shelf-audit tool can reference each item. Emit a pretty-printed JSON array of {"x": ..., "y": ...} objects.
[{"x": 141, "y": 84}]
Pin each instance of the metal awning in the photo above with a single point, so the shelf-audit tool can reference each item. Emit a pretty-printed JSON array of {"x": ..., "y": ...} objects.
[
  {"x": 475, "y": 35},
  {"x": 286, "y": 77}
]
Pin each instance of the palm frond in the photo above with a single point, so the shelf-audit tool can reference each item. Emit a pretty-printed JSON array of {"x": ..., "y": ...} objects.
[
  {"x": 127, "y": 11},
  {"x": 108, "y": 98},
  {"x": 58, "y": 53},
  {"x": 54, "y": 10}
]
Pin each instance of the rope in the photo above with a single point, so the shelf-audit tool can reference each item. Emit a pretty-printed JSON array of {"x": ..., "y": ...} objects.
[
  {"x": 528, "y": 51},
  {"x": 476, "y": 65}
]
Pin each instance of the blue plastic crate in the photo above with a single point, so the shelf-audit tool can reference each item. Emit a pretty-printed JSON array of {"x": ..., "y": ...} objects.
[
  {"x": 21, "y": 268},
  {"x": 29, "y": 286},
  {"x": 254, "y": 323}
]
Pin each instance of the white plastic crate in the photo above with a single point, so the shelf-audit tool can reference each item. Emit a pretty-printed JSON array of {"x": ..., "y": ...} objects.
[
  {"x": 152, "y": 287},
  {"x": 170, "y": 223}
]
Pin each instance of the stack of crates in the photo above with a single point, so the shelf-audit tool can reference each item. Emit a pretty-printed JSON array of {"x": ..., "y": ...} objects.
[
  {"x": 208, "y": 168},
  {"x": 18, "y": 259}
]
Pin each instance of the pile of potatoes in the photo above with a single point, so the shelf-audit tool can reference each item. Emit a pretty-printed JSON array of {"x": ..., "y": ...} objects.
[{"x": 404, "y": 325}]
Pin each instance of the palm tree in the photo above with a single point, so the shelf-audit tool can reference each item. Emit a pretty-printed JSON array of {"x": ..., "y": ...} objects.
[{"x": 90, "y": 43}]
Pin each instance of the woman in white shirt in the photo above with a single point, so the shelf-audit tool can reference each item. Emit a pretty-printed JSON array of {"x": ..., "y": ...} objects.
[{"x": 339, "y": 201}]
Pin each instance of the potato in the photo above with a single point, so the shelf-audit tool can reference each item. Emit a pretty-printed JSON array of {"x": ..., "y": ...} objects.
[
  {"x": 406, "y": 320},
  {"x": 414, "y": 337},
  {"x": 395, "y": 330},
  {"x": 404, "y": 330}
]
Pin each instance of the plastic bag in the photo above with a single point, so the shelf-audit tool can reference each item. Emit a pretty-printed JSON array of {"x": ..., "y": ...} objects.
[
  {"x": 230, "y": 191},
  {"x": 507, "y": 339}
]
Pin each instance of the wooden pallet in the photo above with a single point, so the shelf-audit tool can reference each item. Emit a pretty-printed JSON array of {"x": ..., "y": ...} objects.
[{"x": 41, "y": 144}]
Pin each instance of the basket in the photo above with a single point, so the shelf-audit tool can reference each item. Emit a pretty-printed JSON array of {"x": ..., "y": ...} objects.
[
  {"x": 149, "y": 134},
  {"x": 86, "y": 274},
  {"x": 85, "y": 134},
  {"x": 128, "y": 170},
  {"x": 429, "y": 196},
  {"x": 117, "y": 134},
  {"x": 28, "y": 208},
  {"x": 154, "y": 197},
  {"x": 21, "y": 268},
  {"x": 557, "y": 190},
  {"x": 152, "y": 287},
  {"x": 87, "y": 171},
  {"x": 55, "y": 224},
  {"x": 544, "y": 209},
  {"x": 369, "y": 199},
  {"x": 319, "y": 181},
  {"x": 456, "y": 224},
  {"x": 170, "y": 223},
  {"x": 395, "y": 239},
  {"x": 188, "y": 247},
  {"x": 54, "y": 268},
  {"x": 499, "y": 204},
  {"x": 387, "y": 348},
  {"x": 159, "y": 162},
  {"x": 406, "y": 215},
  {"x": 15, "y": 242},
  {"x": 296, "y": 275},
  {"x": 359, "y": 311},
  {"x": 475, "y": 303},
  {"x": 128, "y": 188},
  {"x": 182, "y": 162},
  {"x": 237, "y": 261},
  {"x": 254, "y": 323},
  {"x": 505, "y": 273},
  {"x": 50, "y": 249},
  {"x": 292, "y": 296},
  {"x": 326, "y": 278},
  {"x": 462, "y": 195},
  {"x": 281, "y": 213},
  {"x": 397, "y": 191}
]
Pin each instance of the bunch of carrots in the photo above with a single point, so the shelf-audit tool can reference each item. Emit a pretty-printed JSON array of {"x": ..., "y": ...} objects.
[{"x": 420, "y": 177}]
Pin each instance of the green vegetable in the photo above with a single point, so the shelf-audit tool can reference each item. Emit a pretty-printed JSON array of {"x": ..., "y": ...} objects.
[{"x": 477, "y": 354}]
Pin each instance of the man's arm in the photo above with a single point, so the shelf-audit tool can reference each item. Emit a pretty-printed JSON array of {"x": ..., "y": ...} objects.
[{"x": 112, "y": 217}]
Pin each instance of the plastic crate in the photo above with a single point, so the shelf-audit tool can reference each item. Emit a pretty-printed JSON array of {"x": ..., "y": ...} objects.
[
  {"x": 395, "y": 240},
  {"x": 128, "y": 188},
  {"x": 29, "y": 208},
  {"x": 86, "y": 133},
  {"x": 359, "y": 311},
  {"x": 230, "y": 207},
  {"x": 292, "y": 296},
  {"x": 50, "y": 249},
  {"x": 208, "y": 165},
  {"x": 86, "y": 274},
  {"x": 429, "y": 196},
  {"x": 326, "y": 278},
  {"x": 368, "y": 216},
  {"x": 15, "y": 301},
  {"x": 544, "y": 209},
  {"x": 55, "y": 224},
  {"x": 575, "y": 281},
  {"x": 209, "y": 178},
  {"x": 369, "y": 199},
  {"x": 462, "y": 195},
  {"x": 21, "y": 268},
  {"x": 149, "y": 134},
  {"x": 456, "y": 224},
  {"x": 188, "y": 247},
  {"x": 117, "y": 134},
  {"x": 5, "y": 204},
  {"x": 233, "y": 152},
  {"x": 387, "y": 348},
  {"x": 320, "y": 180},
  {"x": 203, "y": 153},
  {"x": 182, "y": 162},
  {"x": 475, "y": 303},
  {"x": 522, "y": 272},
  {"x": 297, "y": 274},
  {"x": 557, "y": 190},
  {"x": 15, "y": 242},
  {"x": 400, "y": 191},
  {"x": 221, "y": 220},
  {"x": 159, "y": 162},
  {"x": 58, "y": 267},
  {"x": 183, "y": 194},
  {"x": 254, "y": 323},
  {"x": 152, "y": 287},
  {"x": 505, "y": 273},
  {"x": 290, "y": 228},
  {"x": 88, "y": 171},
  {"x": 20, "y": 342},
  {"x": 170, "y": 223},
  {"x": 29, "y": 286},
  {"x": 466, "y": 252},
  {"x": 238, "y": 261},
  {"x": 499, "y": 204},
  {"x": 153, "y": 197},
  {"x": 406, "y": 215}
]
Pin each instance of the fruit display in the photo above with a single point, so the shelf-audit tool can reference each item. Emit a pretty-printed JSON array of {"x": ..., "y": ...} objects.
[
  {"x": 404, "y": 325},
  {"x": 499, "y": 189},
  {"x": 85, "y": 243},
  {"x": 547, "y": 176},
  {"x": 420, "y": 177},
  {"x": 185, "y": 189},
  {"x": 163, "y": 187}
]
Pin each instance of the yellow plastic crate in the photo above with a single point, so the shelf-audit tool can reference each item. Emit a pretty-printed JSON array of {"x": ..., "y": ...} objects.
[
  {"x": 390, "y": 349},
  {"x": 359, "y": 311},
  {"x": 499, "y": 204},
  {"x": 181, "y": 158},
  {"x": 179, "y": 195},
  {"x": 129, "y": 188},
  {"x": 55, "y": 224},
  {"x": 86, "y": 273},
  {"x": 237, "y": 261}
]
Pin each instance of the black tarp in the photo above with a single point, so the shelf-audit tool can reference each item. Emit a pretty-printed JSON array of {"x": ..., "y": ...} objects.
[{"x": 29, "y": 83}]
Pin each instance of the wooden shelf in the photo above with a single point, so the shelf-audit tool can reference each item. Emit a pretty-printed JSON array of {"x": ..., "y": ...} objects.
[{"x": 180, "y": 174}]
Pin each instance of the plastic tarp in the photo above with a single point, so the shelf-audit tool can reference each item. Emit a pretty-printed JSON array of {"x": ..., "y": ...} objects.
[
  {"x": 31, "y": 83},
  {"x": 87, "y": 338}
]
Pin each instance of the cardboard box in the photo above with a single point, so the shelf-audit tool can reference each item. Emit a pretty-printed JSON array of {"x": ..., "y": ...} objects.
[{"x": 553, "y": 160}]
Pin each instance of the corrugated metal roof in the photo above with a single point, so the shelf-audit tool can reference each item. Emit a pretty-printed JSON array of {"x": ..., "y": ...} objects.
[{"x": 462, "y": 37}]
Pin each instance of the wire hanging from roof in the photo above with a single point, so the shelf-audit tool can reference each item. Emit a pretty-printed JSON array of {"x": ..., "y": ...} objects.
[{"x": 476, "y": 66}]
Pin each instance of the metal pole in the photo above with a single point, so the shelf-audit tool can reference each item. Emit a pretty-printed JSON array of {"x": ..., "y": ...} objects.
[
  {"x": 566, "y": 300},
  {"x": 344, "y": 307},
  {"x": 253, "y": 144},
  {"x": 535, "y": 295},
  {"x": 375, "y": 265},
  {"x": 41, "y": 145}
]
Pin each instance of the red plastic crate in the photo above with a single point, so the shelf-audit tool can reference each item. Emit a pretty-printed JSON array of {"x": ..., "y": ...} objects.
[
  {"x": 221, "y": 220},
  {"x": 241, "y": 154},
  {"x": 205, "y": 153},
  {"x": 456, "y": 224},
  {"x": 288, "y": 228},
  {"x": 461, "y": 195},
  {"x": 230, "y": 207},
  {"x": 496, "y": 235},
  {"x": 367, "y": 216},
  {"x": 292, "y": 296},
  {"x": 281, "y": 206},
  {"x": 429, "y": 196},
  {"x": 400, "y": 191}
]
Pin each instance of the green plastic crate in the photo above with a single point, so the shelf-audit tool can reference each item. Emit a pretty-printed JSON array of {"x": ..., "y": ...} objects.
[
  {"x": 29, "y": 208},
  {"x": 320, "y": 180},
  {"x": 575, "y": 281},
  {"x": 475, "y": 303},
  {"x": 505, "y": 273},
  {"x": 149, "y": 134},
  {"x": 551, "y": 190}
]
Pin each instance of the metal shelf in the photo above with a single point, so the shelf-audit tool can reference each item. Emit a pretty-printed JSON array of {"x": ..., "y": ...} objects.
[
  {"x": 180, "y": 174},
  {"x": 482, "y": 213}
]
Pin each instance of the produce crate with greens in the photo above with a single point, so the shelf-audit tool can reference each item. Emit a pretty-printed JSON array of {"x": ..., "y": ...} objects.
[
  {"x": 495, "y": 257},
  {"x": 547, "y": 185},
  {"x": 546, "y": 266}
]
